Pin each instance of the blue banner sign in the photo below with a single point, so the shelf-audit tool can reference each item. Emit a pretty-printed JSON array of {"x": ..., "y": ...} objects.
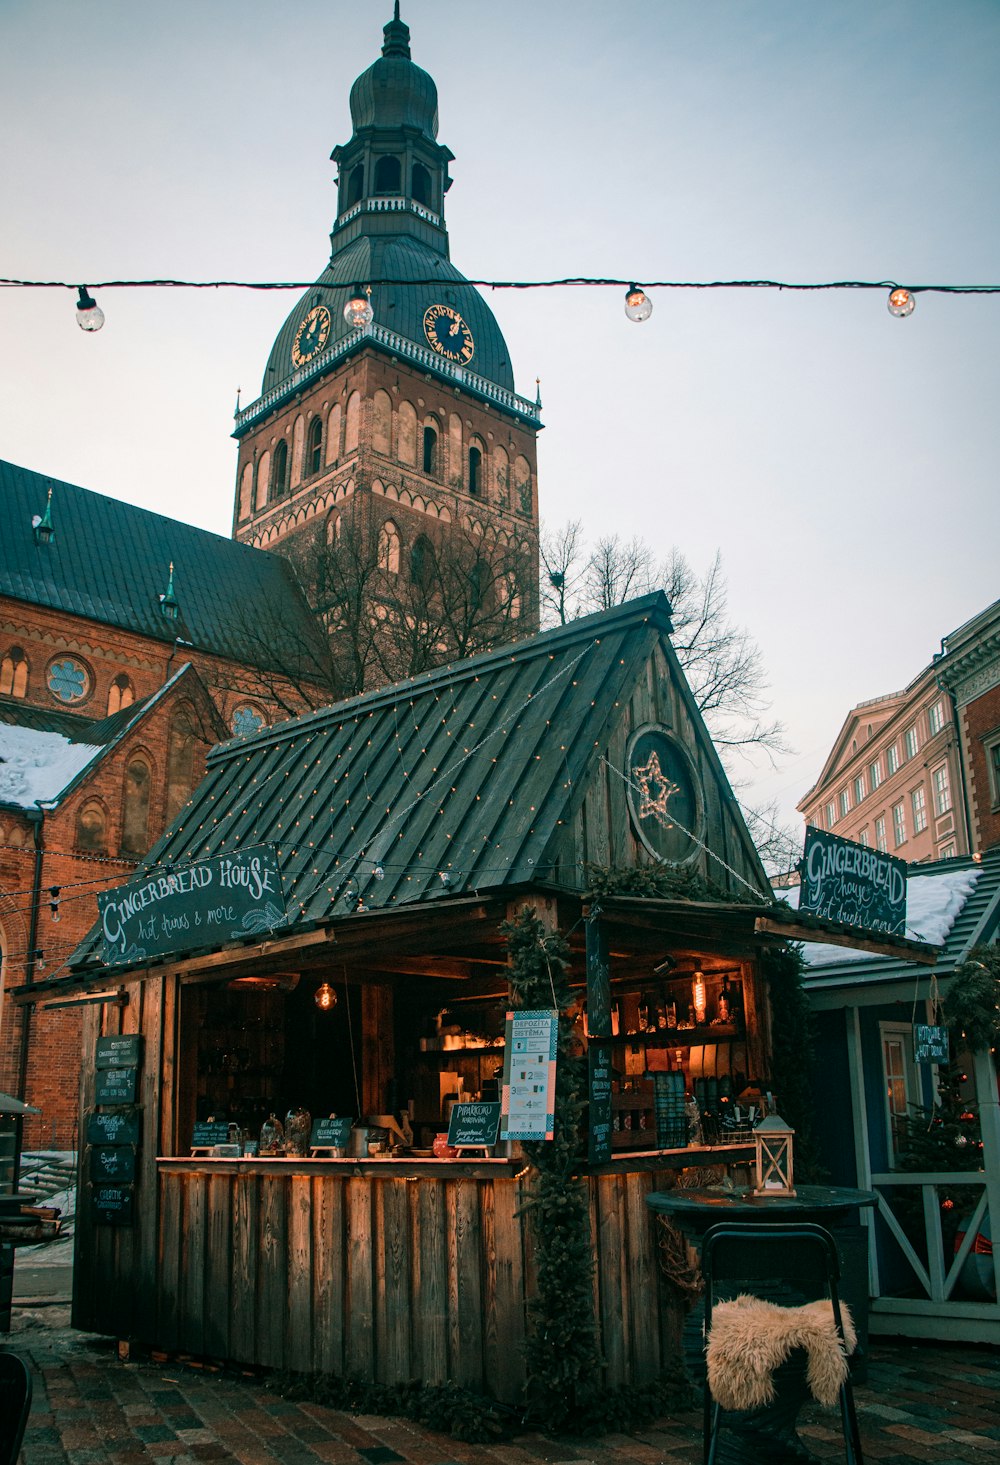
[
  {"x": 852, "y": 883},
  {"x": 167, "y": 909}
]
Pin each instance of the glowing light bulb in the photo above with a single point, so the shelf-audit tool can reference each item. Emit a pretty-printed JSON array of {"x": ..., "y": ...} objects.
[
  {"x": 638, "y": 306},
  {"x": 901, "y": 302},
  {"x": 89, "y": 315},
  {"x": 358, "y": 311},
  {"x": 325, "y": 998},
  {"x": 698, "y": 998}
]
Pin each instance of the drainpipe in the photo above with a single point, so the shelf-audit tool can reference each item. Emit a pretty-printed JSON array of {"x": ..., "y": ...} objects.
[{"x": 36, "y": 817}]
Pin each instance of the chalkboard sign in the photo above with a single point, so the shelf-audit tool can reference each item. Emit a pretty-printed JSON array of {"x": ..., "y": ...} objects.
[
  {"x": 852, "y": 883},
  {"x": 930, "y": 1043},
  {"x": 330, "y": 1134},
  {"x": 115, "y": 1085},
  {"x": 474, "y": 1126},
  {"x": 122, "y": 1128},
  {"x": 598, "y": 979},
  {"x": 227, "y": 898},
  {"x": 113, "y": 1204},
  {"x": 599, "y": 1129},
  {"x": 209, "y": 1132},
  {"x": 123, "y": 1051},
  {"x": 112, "y": 1162}
]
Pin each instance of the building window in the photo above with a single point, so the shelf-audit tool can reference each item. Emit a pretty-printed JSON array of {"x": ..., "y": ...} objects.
[
  {"x": 947, "y": 851},
  {"x": 831, "y": 815},
  {"x": 388, "y": 548},
  {"x": 314, "y": 446},
  {"x": 420, "y": 187},
  {"x": 919, "y": 805},
  {"x": 859, "y": 788},
  {"x": 897, "y": 1067},
  {"x": 880, "y": 840},
  {"x": 863, "y": 837},
  {"x": 279, "y": 469},
  {"x": 935, "y": 718},
  {"x": 875, "y": 774},
  {"x": 388, "y": 175},
  {"x": 121, "y": 694},
  {"x": 892, "y": 758},
  {"x": 942, "y": 789},
  {"x": 898, "y": 824},
  {"x": 430, "y": 450},
  {"x": 247, "y": 719},
  {"x": 910, "y": 743},
  {"x": 844, "y": 802},
  {"x": 422, "y": 564},
  {"x": 68, "y": 680},
  {"x": 91, "y": 829},
  {"x": 355, "y": 185},
  {"x": 180, "y": 761},
  {"x": 135, "y": 808},
  {"x": 475, "y": 471},
  {"x": 14, "y": 673},
  {"x": 993, "y": 759}
]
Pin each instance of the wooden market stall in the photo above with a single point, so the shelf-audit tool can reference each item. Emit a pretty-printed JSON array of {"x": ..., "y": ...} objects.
[{"x": 322, "y": 931}]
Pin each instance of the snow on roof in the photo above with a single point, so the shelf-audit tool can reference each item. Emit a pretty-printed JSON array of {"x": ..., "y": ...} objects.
[
  {"x": 37, "y": 766},
  {"x": 933, "y": 903}
]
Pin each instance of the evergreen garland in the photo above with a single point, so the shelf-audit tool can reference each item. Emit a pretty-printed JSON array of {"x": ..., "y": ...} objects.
[
  {"x": 563, "y": 1359},
  {"x": 792, "y": 1058},
  {"x": 972, "y": 1005},
  {"x": 657, "y": 882}
]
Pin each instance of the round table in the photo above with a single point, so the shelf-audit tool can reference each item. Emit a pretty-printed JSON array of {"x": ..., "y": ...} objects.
[{"x": 696, "y": 1210}]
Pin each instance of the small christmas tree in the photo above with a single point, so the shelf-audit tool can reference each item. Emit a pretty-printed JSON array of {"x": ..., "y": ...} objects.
[{"x": 942, "y": 1138}]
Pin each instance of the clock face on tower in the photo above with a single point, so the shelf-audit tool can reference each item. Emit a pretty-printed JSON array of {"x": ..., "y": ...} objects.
[
  {"x": 448, "y": 334},
  {"x": 311, "y": 336}
]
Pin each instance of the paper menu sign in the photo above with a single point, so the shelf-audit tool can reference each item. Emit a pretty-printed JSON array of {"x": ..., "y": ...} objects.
[{"x": 529, "y": 1075}]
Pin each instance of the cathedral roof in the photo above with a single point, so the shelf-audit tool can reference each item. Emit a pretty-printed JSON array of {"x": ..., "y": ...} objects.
[
  {"x": 109, "y": 561},
  {"x": 393, "y": 92}
]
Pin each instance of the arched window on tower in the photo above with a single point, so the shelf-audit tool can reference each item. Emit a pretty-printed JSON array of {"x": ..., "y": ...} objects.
[
  {"x": 475, "y": 470},
  {"x": 388, "y": 175},
  {"x": 263, "y": 474},
  {"x": 388, "y": 548},
  {"x": 279, "y": 469},
  {"x": 381, "y": 422},
  {"x": 180, "y": 761},
  {"x": 246, "y": 490},
  {"x": 121, "y": 694},
  {"x": 135, "y": 807},
  {"x": 421, "y": 184},
  {"x": 352, "y": 423},
  {"x": 406, "y": 434},
  {"x": 314, "y": 446},
  {"x": 430, "y": 449},
  {"x": 14, "y": 673},
  {"x": 355, "y": 185}
]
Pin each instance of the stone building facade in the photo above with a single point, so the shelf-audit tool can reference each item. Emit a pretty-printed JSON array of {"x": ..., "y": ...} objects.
[{"x": 969, "y": 667}]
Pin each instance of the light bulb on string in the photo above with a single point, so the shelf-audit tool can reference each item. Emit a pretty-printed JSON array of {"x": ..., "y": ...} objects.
[
  {"x": 358, "y": 310},
  {"x": 901, "y": 302},
  {"x": 325, "y": 997},
  {"x": 638, "y": 306},
  {"x": 89, "y": 315}
]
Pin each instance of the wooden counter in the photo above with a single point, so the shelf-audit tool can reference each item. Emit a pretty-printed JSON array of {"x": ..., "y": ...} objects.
[{"x": 391, "y": 1269}]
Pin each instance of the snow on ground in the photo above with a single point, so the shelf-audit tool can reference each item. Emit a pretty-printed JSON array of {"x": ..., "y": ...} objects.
[
  {"x": 38, "y": 765},
  {"x": 61, "y": 1163},
  {"x": 933, "y": 902}
]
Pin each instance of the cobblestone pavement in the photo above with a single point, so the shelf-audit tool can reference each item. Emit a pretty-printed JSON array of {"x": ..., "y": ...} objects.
[{"x": 921, "y": 1403}]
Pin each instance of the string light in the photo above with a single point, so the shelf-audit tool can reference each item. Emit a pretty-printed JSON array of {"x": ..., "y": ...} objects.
[
  {"x": 358, "y": 310},
  {"x": 89, "y": 315},
  {"x": 638, "y": 306},
  {"x": 325, "y": 998},
  {"x": 54, "y": 902},
  {"x": 901, "y": 302}
]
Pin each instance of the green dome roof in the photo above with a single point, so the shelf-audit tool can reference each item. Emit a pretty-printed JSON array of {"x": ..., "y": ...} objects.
[{"x": 393, "y": 92}]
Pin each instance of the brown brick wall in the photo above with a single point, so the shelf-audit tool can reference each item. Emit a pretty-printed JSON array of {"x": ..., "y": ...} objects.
[{"x": 980, "y": 726}]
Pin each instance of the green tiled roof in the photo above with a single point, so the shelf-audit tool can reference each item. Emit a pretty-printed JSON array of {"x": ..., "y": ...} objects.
[{"x": 109, "y": 562}]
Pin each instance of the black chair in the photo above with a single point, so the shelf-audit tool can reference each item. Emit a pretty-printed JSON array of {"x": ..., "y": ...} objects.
[
  {"x": 15, "y": 1405},
  {"x": 758, "y": 1260}
]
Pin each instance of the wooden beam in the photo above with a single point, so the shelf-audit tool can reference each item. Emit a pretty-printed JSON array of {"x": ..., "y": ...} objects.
[{"x": 791, "y": 931}]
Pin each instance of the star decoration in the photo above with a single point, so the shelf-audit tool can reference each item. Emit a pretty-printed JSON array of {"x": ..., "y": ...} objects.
[{"x": 655, "y": 788}]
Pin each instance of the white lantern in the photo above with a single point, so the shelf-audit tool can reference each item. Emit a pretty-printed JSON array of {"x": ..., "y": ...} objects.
[{"x": 773, "y": 1167}]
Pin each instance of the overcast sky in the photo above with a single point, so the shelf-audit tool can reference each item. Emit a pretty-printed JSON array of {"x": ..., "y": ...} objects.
[{"x": 844, "y": 462}]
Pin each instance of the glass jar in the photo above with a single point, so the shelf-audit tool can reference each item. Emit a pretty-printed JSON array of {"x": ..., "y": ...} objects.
[
  {"x": 298, "y": 1129},
  {"x": 272, "y": 1136}
]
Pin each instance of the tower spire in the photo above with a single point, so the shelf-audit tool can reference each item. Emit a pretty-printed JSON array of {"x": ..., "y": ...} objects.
[{"x": 397, "y": 36}]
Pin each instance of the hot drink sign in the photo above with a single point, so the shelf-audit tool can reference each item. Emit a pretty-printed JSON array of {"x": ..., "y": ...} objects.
[{"x": 179, "y": 908}]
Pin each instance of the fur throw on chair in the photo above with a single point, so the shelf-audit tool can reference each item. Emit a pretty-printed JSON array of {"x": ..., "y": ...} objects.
[{"x": 750, "y": 1338}]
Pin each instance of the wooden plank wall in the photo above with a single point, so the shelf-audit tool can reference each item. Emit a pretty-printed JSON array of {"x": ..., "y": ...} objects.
[{"x": 390, "y": 1279}]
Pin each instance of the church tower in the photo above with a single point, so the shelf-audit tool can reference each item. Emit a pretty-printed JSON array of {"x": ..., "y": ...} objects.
[{"x": 391, "y": 459}]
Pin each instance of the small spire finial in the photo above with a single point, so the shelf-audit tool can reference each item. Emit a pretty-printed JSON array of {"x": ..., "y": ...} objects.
[
  {"x": 397, "y": 36},
  {"x": 538, "y": 391},
  {"x": 44, "y": 529},
  {"x": 168, "y": 602}
]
